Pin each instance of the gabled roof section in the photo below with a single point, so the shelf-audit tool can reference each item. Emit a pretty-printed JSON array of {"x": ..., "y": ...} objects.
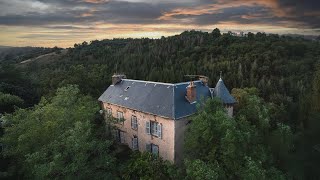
[
  {"x": 222, "y": 92},
  {"x": 182, "y": 106},
  {"x": 162, "y": 99},
  {"x": 146, "y": 96}
]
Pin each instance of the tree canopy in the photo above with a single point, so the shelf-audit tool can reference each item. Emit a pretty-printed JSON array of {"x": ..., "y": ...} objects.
[
  {"x": 8, "y": 102},
  {"x": 57, "y": 139},
  {"x": 243, "y": 147}
]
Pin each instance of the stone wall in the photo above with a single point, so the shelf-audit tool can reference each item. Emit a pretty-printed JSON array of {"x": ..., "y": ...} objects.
[{"x": 165, "y": 143}]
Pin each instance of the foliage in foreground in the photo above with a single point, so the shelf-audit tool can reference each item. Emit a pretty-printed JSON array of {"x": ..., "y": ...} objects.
[
  {"x": 57, "y": 139},
  {"x": 243, "y": 147},
  {"x": 148, "y": 166}
]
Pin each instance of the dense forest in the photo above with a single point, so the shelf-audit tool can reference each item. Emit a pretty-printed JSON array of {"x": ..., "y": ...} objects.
[{"x": 47, "y": 102}]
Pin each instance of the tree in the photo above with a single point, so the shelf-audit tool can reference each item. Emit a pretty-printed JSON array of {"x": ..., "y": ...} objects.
[
  {"x": 230, "y": 147},
  {"x": 148, "y": 166},
  {"x": 216, "y": 33},
  {"x": 199, "y": 170},
  {"x": 8, "y": 102},
  {"x": 57, "y": 139},
  {"x": 316, "y": 89},
  {"x": 305, "y": 161},
  {"x": 250, "y": 35}
]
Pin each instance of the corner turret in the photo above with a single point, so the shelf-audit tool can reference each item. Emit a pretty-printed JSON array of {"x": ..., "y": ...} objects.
[{"x": 222, "y": 92}]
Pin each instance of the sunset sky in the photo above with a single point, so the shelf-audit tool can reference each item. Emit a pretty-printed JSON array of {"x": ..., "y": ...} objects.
[{"x": 65, "y": 22}]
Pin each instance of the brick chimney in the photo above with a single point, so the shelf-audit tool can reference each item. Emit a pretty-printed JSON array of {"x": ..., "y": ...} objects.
[
  {"x": 116, "y": 78},
  {"x": 191, "y": 92}
]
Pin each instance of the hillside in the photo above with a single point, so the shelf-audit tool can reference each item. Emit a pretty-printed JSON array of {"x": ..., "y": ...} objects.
[
  {"x": 285, "y": 70},
  {"x": 45, "y": 58},
  {"x": 19, "y": 54},
  {"x": 4, "y": 47},
  {"x": 280, "y": 67}
]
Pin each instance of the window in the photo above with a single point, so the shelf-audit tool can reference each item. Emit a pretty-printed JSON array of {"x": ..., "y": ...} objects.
[
  {"x": 120, "y": 116},
  {"x": 122, "y": 136},
  {"x": 109, "y": 111},
  {"x": 134, "y": 122},
  {"x": 154, "y": 128},
  {"x": 135, "y": 144},
  {"x": 154, "y": 149}
]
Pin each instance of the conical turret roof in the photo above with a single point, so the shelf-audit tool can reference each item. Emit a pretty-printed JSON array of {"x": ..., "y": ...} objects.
[{"x": 223, "y": 93}]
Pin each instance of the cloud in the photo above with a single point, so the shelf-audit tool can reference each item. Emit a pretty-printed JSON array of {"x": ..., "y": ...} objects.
[
  {"x": 96, "y": 1},
  {"x": 40, "y": 12},
  {"x": 261, "y": 11},
  {"x": 18, "y": 7},
  {"x": 154, "y": 17},
  {"x": 307, "y": 11}
]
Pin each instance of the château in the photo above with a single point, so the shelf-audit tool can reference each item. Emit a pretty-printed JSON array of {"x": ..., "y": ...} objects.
[{"x": 153, "y": 116}]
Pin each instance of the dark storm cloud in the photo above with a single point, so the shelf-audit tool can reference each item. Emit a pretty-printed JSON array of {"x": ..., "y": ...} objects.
[
  {"x": 74, "y": 12},
  {"x": 68, "y": 27},
  {"x": 32, "y": 19},
  {"x": 76, "y": 2},
  {"x": 66, "y": 12},
  {"x": 300, "y": 6},
  {"x": 49, "y": 36},
  {"x": 131, "y": 13},
  {"x": 307, "y": 11}
]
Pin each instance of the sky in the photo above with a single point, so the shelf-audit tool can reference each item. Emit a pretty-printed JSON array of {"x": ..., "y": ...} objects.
[{"x": 63, "y": 23}]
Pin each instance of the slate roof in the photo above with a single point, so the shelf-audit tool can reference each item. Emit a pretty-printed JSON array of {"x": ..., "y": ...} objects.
[
  {"x": 162, "y": 99},
  {"x": 222, "y": 92}
]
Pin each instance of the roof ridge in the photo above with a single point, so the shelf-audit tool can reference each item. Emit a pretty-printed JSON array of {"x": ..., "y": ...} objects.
[
  {"x": 142, "y": 81},
  {"x": 186, "y": 82}
]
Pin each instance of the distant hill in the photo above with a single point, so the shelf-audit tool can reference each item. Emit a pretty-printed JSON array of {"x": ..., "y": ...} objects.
[
  {"x": 19, "y": 54},
  {"x": 5, "y": 47},
  {"x": 308, "y": 37},
  {"x": 45, "y": 58}
]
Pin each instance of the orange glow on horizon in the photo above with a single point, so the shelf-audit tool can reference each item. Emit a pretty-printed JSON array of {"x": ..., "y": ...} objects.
[{"x": 46, "y": 37}]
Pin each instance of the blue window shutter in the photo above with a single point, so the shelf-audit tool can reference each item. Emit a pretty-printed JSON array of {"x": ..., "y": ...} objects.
[
  {"x": 159, "y": 128},
  {"x": 136, "y": 123},
  {"x": 152, "y": 127},
  {"x": 148, "y": 127},
  {"x": 122, "y": 137}
]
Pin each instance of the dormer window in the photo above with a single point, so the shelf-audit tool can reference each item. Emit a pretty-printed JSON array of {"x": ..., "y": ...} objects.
[{"x": 126, "y": 89}]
